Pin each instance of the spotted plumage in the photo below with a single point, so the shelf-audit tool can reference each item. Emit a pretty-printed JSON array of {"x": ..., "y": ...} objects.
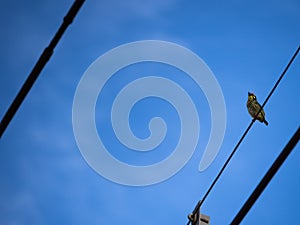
[{"x": 253, "y": 107}]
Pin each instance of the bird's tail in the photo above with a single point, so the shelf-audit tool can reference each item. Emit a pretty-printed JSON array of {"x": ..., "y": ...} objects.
[{"x": 266, "y": 122}]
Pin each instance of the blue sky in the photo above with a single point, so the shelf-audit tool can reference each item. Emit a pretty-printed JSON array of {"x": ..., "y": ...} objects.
[{"x": 44, "y": 178}]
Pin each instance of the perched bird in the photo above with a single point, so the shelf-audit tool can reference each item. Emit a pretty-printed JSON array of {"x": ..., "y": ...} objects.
[{"x": 253, "y": 107}]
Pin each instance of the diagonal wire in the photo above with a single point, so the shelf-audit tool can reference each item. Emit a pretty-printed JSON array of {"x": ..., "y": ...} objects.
[
  {"x": 267, "y": 178},
  {"x": 199, "y": 204},
  {"x": 37, "y": 69}
]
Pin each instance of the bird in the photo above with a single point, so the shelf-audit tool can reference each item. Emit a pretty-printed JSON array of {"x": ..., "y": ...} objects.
[{"x": 253, "y": 107}]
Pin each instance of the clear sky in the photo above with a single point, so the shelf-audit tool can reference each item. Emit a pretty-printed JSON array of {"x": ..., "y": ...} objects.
[{"x": 44, "y": 179}]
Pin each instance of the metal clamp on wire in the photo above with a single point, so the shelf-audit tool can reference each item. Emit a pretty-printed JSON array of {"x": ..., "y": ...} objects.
[
  {"x": 196, "y": 218},
  {"x": 192, "y": 218}
]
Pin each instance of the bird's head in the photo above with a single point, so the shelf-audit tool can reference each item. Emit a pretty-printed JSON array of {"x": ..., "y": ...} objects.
[{"x": 251, "y": 96}]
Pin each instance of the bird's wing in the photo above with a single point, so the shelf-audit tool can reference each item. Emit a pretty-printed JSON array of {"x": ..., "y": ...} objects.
[
  {"x": 262, "y": 111},
  {"x": 256, "y": 106}
]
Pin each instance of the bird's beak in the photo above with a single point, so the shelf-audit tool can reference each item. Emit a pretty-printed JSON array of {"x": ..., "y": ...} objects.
[{"x": 249, "y": 93}]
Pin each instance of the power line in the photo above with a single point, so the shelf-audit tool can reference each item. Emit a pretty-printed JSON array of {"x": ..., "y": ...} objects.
[
  {"x": 44, "y": 58},
  {"x": 267, "y": 178},
  {"x": 199, "y": 204}
]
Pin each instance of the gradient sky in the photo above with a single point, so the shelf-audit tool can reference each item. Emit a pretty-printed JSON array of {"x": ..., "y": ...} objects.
[{"x": 45, "y": 180}]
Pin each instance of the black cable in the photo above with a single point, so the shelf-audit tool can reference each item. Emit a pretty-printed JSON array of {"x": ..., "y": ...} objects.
[
  {"x": 199, "y": 204},
  {"x": 44, "y": 58},
  {"x": 267, "y": 178},
  {"x": 221, "y": 171}
]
